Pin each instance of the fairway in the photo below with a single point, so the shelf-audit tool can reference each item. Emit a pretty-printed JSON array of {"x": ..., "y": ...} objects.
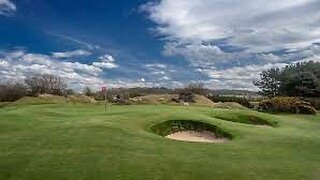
[{"x": 79, "y": 141}]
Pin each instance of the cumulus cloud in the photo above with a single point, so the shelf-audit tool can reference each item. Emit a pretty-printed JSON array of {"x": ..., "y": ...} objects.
[
  {"x": 238, "y": 77},
  {"x": 106, "y": 62},
  {"x": 7, "y": 8},
  {"x": 19, "y": 64},
  {"x": 217, "y": 35},
  {"x": 69, "y": 54},
  {"x": 156, "y": 66},
  {"x": 261, "y": 24},
  {"x": 160, "y": 72},
  {"x": 16, "y": 65}
]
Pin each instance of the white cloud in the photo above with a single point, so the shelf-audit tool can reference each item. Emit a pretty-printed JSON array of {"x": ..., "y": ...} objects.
[
  {"x": 165, "y": 78},
  {"x": 17, "y": 65},
  {"x": 106, "y": 62},
  {"x": 238, "y": 77},
  {"x": 263, "y": 25},
  {"x": 69, "y": 54},
  {"x": 106, "y": 58},
  {"x": 250, "y": 72},
  {"x": 3, "y": 63},
  {"x": 105, "y": 65},
  {"x": 157, "y": 65},
  {"x": 258, "y": 24},
  {"x": 160, "y": 71},
  {"x": 205, "y": 32},
  {"x": 7, "y": 8}
]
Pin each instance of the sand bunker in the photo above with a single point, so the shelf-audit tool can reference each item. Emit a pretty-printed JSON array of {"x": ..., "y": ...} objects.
[
  {"x": 197, "y": 136},
  {"x": 190, "y": 130}
]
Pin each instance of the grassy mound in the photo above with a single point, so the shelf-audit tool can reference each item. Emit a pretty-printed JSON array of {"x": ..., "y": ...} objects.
[
  {"x": 157, "y": 99},
  {"x": 246, "y": 119},
  {"x": 174, "y": 126},
  {"x": 42, "y": 99},
  {"x": 240, "y": 100},
  {"x": 199, "y": 100},
  {"x": 80, "y": 99},
  {"x": 228, "y": 105},
  {"x": 51, "y": 99},
  {"x": 153, "y": 99}
]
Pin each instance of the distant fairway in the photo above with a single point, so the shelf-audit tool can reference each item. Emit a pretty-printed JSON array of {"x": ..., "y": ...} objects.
[{"x": 81, "y": 141}]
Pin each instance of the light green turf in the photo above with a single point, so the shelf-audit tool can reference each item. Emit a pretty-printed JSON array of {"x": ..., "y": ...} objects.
[{"x": 73, "y": 141}]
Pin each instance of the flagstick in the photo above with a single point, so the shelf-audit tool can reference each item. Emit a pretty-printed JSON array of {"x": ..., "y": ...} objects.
[{"x": 105, "y": 101}]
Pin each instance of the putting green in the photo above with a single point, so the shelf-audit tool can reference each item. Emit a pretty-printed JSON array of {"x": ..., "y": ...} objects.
[{"x": 77, "y": 141}]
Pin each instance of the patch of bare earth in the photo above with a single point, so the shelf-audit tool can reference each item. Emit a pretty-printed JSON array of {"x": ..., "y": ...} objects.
[{"x": 197, "y": 136}]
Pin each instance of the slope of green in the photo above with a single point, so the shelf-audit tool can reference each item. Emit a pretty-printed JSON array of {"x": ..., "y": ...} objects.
[{"x": 82, "y": 141}]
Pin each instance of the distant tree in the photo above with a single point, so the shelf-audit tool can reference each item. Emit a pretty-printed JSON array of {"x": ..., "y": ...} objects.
[
  {"x": 197, "y": 88},
  {"x": 300, "y": 79},
  {"x": 46, "y": 83},
  {"x": 69, "y": 92},
  {"x": 88, "y": 91},
  {"x": 12, "y": 91},
  {"x": 269, "y": 82}
]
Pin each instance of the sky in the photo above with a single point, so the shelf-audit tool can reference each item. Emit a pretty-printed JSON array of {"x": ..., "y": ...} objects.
[{"x": 156, "y": 43}]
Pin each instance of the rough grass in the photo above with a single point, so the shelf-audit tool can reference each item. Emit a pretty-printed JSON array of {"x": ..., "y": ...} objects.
[{"x": 76, "y": 141}]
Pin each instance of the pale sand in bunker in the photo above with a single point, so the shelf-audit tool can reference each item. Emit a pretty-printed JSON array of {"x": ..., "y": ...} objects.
[{"x": 197, "y": 136}]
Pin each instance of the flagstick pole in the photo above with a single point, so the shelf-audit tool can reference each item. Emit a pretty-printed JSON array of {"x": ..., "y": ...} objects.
[{"x": 105, "y": 101}]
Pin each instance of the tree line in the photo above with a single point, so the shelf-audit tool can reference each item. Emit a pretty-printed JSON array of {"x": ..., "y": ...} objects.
[
  {"x": 296, "y": 80},
  {"x": 33, "y": 86}
]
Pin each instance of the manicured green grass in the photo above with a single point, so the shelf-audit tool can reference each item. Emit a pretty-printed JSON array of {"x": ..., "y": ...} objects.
[{"x": 74, "y": 141}]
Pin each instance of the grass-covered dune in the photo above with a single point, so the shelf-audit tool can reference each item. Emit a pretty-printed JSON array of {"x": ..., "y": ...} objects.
[{"x": 82, "y": 141}]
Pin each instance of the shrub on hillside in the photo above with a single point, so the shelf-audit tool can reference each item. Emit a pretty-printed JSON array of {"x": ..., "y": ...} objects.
[
  {"x": 240, "y": 100},
  {"x": 187, "y": 97},
  {"x": 287, "y": 105},
  {"x": 69, "y": 92},
  {"x": 12, "y": 92}
]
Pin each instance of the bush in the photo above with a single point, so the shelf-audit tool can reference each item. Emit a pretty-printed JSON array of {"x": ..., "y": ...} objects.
[
  {"x": 12, "y": 91},
  {"x": 315, "y": 102},
  {"x": 187, "y": 97},
  {"x": 287, "y": 105},
  {"x": 244, "y": 102}
]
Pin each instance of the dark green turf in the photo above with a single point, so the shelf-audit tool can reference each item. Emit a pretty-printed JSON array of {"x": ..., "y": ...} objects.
[{"x": 73, "y": 141}]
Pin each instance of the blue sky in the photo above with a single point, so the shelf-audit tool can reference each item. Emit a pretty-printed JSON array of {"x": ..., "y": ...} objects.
[{"x": 167, "y": 43}]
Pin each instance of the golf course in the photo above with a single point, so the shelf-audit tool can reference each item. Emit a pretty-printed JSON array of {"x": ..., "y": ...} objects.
[{"x": 83, "y": 141}]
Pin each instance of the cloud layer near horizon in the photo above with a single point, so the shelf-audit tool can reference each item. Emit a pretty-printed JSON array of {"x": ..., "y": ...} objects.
[{"x": 17, "y": 65}]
